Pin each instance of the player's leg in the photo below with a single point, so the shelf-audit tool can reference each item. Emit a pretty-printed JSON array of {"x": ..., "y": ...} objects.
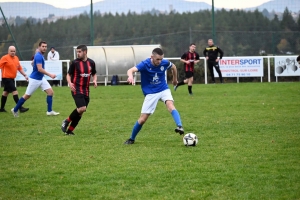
[
  {"x": 148, "y": 108},
  {"x": 169, "y": 102},
  {"x": 190, "y": 82},
  {"x": 181, "y": 82},
  {"x": 4, "y": 94},
  {"x": 45, "y": 86},
  {"x": 81, "y": 102},
  {"x": 217, "y": 67},
  {"x": 31, "y": 88},
  {"x": 211, "y": 70}
]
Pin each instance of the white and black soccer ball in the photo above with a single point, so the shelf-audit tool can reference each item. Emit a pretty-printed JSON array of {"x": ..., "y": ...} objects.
[{"x": 190, "y": 139}]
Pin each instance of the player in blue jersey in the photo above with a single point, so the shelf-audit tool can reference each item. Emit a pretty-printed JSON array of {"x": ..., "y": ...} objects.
[
  {"x": 155, "y": 88},
  {"x": 37, "y": 80}
]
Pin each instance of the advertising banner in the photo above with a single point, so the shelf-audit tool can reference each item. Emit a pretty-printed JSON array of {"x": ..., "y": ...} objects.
[
  {"x": 286, "y": 66},
  {"x": 53, "y": 67},
  {"x": 241, "y": 67}
]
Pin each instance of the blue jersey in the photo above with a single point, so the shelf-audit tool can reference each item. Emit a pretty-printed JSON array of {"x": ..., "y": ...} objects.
[
  {"x": 38, "y": 59},
  {"x": 153, "y": 78}
]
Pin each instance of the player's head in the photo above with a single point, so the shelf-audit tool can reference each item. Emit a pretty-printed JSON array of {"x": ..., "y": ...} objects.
[
  {"x": 81, "y": 51},
  {"x": 298, "y": 59},
  {"x": 12, "y": 51},
  {"x": 42, "y": 47},
  {"x": 192, "y": 47},
  {"x": 52, "y": 49},
  {"x": 157, "y": 56},
  {"x": 210, "y": 42}
]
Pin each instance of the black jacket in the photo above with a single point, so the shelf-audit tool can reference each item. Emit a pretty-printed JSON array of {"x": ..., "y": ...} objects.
[{"x": 212, "y": 52}]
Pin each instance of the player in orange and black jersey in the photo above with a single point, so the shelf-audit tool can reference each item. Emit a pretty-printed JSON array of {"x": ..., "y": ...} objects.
[
  {"x": 189, "y": 58},
  {"x": 211, "y": 54},
  {"x": 78, "y": 77}
]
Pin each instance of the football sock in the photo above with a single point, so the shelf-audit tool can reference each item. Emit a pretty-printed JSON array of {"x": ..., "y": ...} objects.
[
  {"x": 176, "y": 117},
  {"x": 190, "y": 89},
  {"x": 136, "y": 129},
  {"x": 19, "y": 104},
  {"x": 180, "y": 83},
  {"x": 3, "y": 101},
  {"x": 74, "y": 115},
  {"x": 49, "y": 103},
  {"x": 74, "y": 123},
  {"x": 16, "y": 98}
]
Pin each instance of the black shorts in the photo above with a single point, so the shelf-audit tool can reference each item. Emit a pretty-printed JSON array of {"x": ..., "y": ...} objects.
[
  {"x": 9, "y": 84},
  {"x": 81, "y": 100},
  {"x": 189, "y": 74}
]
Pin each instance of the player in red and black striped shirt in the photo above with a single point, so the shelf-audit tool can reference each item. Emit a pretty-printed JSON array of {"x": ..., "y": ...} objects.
[
  {"x": 189, "y": 59},
  {"x": 78, "y": 77}
]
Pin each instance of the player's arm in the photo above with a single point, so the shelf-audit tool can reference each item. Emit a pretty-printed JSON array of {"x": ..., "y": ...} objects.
[
  {"x": 23, "y": 73},
  {"x": 205, "y": 54},
  {"x": 182, "y": 59},
  {"x": 43, "y": 71},
  {"x": 221, "y": 53},
  {"x": 94, "y": 75},
  {"x": 197, "y": 58},
  {"x": 130, "y": 74},
  {"x": 174, "y": 74},
  {"x": 69, "y": 74}
]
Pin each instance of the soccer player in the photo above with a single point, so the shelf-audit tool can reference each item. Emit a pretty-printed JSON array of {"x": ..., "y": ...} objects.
[
  {"x": 211, "y": 54},
  {"x": 37, "y": 80},
  {"x": 298, "y": 59},
  {"x": 10, "y": 64},
  {"x": 155, "y": 88},
  {"x": 189, "y": 59},
  {"x": 78, "y": 77}
]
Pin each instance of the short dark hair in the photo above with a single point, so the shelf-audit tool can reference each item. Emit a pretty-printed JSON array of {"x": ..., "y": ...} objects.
[
  {"x": 192, "y": 44},
  {"x": 158, "y": 51},
  {"x": 83, "y": 47},
  {"x": 42, "y": 42}
]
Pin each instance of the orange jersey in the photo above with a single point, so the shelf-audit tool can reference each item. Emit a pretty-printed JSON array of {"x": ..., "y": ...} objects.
[{"x": 9, "y": 66}]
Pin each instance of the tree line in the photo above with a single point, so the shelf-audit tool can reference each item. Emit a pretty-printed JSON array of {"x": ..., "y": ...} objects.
[{"x": 238, "y": 32}]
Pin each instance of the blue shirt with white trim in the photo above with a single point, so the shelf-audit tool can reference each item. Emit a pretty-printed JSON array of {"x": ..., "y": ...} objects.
[
  {"x": 38, "y": 59},
  {"x": 153, "y": 78}
]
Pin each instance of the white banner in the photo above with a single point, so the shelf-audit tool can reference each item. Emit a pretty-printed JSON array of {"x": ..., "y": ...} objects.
[
  {"x": 241, "y": 67},
  {"x": 286, "y": 66},
  {"x": 53, "y": 67}
]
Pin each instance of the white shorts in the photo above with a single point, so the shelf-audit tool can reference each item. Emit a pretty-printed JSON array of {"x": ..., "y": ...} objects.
[
  {"x": 150, "y": 101},
  {"x": 35, "y": 84}
]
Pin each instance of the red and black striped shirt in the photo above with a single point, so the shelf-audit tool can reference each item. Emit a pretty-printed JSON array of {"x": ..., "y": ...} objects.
[
  {"x": 190, "y": 56},
  {"x": 80, "y": 72}
]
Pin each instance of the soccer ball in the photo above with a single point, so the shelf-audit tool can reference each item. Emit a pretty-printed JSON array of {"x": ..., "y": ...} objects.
[{"x": 190, "y": 139}]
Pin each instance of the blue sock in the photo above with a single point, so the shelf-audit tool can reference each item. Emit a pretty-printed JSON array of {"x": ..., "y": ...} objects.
[
  {"x": 136, "y": 129},
  {"x": 19, "y": 104},
  {"x": 176, "y": 117},
  {"x": 49, "y": 103}
]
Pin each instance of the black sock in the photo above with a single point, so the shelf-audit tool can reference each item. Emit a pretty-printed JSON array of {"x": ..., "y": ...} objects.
[
  {"x": 16, "y": 98},
  {"x": 180, "y": 83},
  {"x": 190, "y": 89},
  {"x": 73, "y": 124},
  {"x": 3, "y": 101},
  {"x": 74, "y": 115}
]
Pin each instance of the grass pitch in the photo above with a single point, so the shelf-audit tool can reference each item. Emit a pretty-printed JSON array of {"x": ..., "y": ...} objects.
[{"x": 249, "y": 146}]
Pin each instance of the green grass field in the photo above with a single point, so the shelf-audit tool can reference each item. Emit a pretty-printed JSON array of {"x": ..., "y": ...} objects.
[{"x": 249, "y": 146}]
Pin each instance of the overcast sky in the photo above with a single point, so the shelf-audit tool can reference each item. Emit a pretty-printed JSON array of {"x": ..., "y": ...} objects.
[{"x": 79, "y": 3}]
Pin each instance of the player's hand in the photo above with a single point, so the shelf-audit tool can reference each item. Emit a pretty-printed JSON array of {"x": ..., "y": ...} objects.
[
  {"x": 95, "y": 84},
  {"x": 53, "y": 76},
  {"x": 175, "y": 82},
  {"x": 130, "y": 80},
  {"x": 71, "y": 85}
]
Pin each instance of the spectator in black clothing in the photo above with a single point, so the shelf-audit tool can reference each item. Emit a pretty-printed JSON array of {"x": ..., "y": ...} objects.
[
  {"x": 189, "y": 58},
  {"x": 298, "y": 59},
  {"x": 78, "y": 77},
  {"x": 211, "y": 54}
]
